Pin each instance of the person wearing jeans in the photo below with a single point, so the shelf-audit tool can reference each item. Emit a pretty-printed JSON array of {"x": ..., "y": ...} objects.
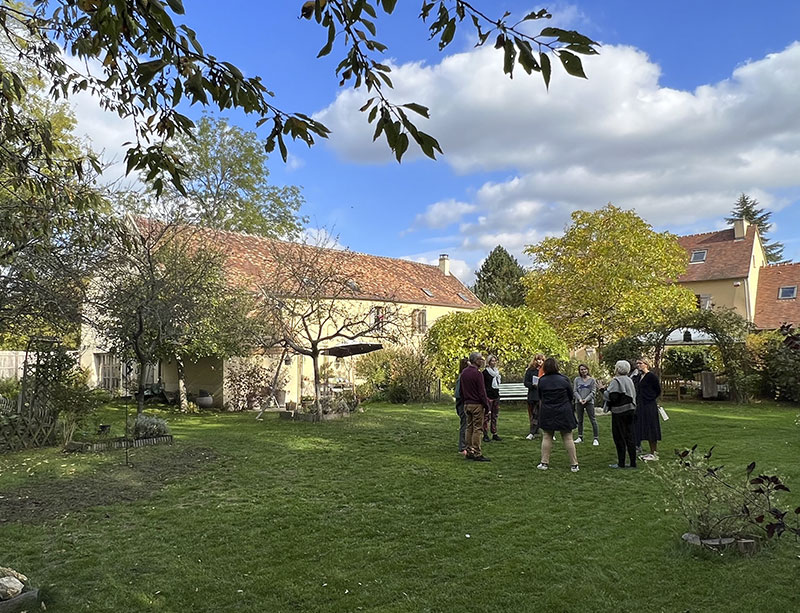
[
  {"x": 621, "y": 395},
  {"x": 585, "y": 388}
]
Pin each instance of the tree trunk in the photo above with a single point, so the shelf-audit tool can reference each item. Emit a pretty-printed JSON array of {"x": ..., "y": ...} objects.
[
  {"x": 140, "y": 387},
  {"x": 315, "y": 362},
  {"x": 183, "y": 401}
]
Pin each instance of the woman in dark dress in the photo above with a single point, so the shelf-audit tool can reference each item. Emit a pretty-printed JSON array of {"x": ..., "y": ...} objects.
[
  {"x": 556, "y": 413},
  {"x": 648, "y": 428}
]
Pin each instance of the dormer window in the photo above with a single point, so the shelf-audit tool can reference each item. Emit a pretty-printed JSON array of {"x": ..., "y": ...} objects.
[
  {"x": 698, "y": 255},
  {"x": 787, "y": 292},
  {"x": 427, "y": 292}
]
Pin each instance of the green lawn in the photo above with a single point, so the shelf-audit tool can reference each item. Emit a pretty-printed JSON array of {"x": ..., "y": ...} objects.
[{"x": 372, "y": 513}]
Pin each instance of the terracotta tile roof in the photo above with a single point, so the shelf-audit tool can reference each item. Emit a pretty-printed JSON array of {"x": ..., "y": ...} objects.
[
  {"x": 252, "y": 259},
  {"x": 770, "y": 311},
  {"x": 726, "y": 257}
]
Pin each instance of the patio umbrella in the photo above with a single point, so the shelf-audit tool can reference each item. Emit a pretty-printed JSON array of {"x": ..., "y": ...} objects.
[{"x": 349, "y": 349}]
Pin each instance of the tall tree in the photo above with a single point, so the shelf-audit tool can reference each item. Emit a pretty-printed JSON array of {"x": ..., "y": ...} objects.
[
  {"x": 52, "y": 217},
  {"x": 747, "y": 208},
  {"x": 148, "y": 65},
  {"x": 226, "y": 185},
  {"x": 499, "y": 279},
  {"x": 514, "y": 335},
  {"x": 608, "y": 275},
  {"x": 158, "y": 296},
  {"x": 310, "y": 298}
]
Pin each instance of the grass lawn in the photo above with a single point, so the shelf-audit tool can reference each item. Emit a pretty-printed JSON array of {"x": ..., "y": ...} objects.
[{"x": 372, "y": 513}]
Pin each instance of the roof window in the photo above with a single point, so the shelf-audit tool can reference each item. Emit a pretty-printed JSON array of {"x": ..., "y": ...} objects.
[
  {"x": 698, "y": 255},
  {"x": 463, "y": 297},
  {"x": 787, "y": 292},
  {"x": 428, "y": 292}
]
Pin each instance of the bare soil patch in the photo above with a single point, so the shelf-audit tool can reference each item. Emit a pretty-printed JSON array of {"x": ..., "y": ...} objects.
[{"x": 152, "y": 469}]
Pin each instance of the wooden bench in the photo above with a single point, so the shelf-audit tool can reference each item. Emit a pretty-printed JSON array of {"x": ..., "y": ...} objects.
[{"x": 513, "y": 391}]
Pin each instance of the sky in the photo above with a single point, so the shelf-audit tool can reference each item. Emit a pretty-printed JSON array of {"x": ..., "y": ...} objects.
[{"x": 688, "y": 105}]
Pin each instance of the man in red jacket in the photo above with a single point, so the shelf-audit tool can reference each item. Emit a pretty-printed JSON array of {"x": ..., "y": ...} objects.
[{"x": 473, "y": 394}]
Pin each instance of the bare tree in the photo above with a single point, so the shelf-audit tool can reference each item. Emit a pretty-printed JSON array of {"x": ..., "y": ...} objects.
[{"x": 312, "y": 297}]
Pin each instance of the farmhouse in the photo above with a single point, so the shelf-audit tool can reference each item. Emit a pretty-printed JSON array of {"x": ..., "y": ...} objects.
[
  {"x": 416, "y": 295},
  {"x": 728, "y": 268}
]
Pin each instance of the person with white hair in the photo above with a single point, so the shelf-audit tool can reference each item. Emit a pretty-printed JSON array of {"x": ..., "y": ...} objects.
[{"x": 621, "y": 395}]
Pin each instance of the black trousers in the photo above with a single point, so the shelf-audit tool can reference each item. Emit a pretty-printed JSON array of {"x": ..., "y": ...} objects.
[{"x": 622, "y": 431}]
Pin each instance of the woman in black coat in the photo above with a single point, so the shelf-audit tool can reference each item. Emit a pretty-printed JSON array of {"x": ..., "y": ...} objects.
[
  {"x": 648, "y": 427},
  {"x": 556, "y": 413}
]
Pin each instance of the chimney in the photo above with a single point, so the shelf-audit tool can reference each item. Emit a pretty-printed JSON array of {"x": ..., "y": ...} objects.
[
  {"x": 444, "y": 264},
  {"x": 740, "y": 228}
]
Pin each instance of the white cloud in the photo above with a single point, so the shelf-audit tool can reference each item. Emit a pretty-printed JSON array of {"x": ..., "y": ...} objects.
[
  {"x": 442, "y": 214},
  {"x": 458, "y": 267},
  {"x": 679, "y": 158}
]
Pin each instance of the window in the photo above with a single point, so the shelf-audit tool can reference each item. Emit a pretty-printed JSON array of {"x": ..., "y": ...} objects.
[
  {"x": 703, "y": 301},
  {"x": 699, "y": 255},
  {"x": 463, "y": 297},
  {"x": 353, "y": 286},
  {"x": 378, "y": 315},
  {"x": 419, "y": 321},
  {"x": 109, "y": 372},
  {"x": 787, "y": 292},
  {"x": 427, "y": 292}
]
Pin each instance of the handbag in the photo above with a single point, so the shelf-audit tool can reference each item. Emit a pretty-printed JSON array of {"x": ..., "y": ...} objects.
[{"x": 663, "y": 413}]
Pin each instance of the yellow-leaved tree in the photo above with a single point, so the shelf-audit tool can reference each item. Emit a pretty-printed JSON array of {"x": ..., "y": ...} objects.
[{"x": 609, "y": 275}]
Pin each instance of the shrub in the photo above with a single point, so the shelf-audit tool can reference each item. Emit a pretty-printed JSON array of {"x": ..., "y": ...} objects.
[
  {"x": 777, "y": 366},
  {"x": 248, "y": 381},
  {"x": 149, "y": 426},
  {"x": 686, "y": 362},
  {"x": 715, "y": 505},
  {"x": 76, "y": 402},
  {"x": 9, "y": 388},
  {"x": 401, "y": 374},
  {"x": 628, "y": 348}
]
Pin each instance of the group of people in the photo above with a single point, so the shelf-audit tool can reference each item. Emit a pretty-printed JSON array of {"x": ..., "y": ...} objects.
[{"x": 556, "y": 404}]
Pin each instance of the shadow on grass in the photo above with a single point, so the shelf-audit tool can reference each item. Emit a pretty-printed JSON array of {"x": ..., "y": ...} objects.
[{"x": 151, "y": 470}]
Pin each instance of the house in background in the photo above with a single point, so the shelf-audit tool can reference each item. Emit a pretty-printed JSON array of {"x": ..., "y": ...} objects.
[
  {"x": 420, "y": 292},
  {"x": 728, "y": 268}
]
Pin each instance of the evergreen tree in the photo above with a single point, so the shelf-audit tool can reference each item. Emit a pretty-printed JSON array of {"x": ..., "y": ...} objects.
[
  {"x": 499, "y": 280},
  {"x": 747, "y": 208}
]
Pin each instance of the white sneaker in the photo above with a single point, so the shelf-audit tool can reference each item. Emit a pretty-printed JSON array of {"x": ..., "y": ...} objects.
[
  {"x": 574, "y": 468},
  {"x": 529, "y": 437},
  {"x": 595, "y": 442},
  {"x": 578, "y": 440},
  {"x": 542, "y": 466},
  {"x": 648, "y": 457}
]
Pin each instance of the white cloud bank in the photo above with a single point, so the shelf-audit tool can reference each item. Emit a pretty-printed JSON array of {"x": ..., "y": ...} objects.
[{"x": 679, "y": 158}]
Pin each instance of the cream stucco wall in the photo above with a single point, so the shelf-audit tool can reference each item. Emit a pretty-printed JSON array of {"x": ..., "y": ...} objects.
[
  {"x": 724, "y": 293},
  {"x": 301, "y": 369}
]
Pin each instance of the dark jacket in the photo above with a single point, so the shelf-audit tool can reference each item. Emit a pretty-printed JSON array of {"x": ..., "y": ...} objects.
[
  {"x": 491, "y": 393},
  {"x": 533, "y": 388}
]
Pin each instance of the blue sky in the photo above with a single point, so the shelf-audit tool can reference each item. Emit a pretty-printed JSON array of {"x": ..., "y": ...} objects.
[{"x": 688, "y": 105}]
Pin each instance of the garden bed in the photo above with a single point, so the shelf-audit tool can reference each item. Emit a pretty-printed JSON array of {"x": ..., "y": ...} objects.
[{"x": 120, "y": 443}]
